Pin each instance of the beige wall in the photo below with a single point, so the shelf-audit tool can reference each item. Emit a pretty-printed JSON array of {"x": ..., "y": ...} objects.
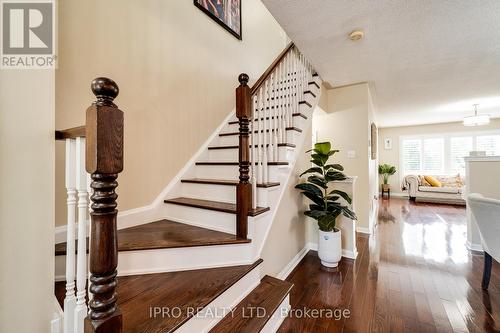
[
  {"x": 177, "y": 70},
  {"x": 482, "y": 172},
  {"x": 26, "y": 200},
  {"x": 346, "y": 123},
  {"x": 288, "y": 231},
  {"x": 392, "y": 156}
]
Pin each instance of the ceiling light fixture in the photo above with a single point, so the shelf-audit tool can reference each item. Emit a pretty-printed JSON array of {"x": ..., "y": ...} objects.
[
  {"x": 477, "y": 119},
  {"x": 356, "y": 35}
]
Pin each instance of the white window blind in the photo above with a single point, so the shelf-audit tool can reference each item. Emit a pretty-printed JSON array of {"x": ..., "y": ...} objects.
[
  {"x": 444, "y": 154},
  {"x": 488, "y": 143},
  {"x": 433, "y": 156},
  {"x": 412, "y": 156},
  {"x": 460, "y": 147}
]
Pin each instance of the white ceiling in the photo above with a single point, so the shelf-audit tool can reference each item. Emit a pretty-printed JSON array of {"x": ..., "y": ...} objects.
[{"x": 429, "y": 60}]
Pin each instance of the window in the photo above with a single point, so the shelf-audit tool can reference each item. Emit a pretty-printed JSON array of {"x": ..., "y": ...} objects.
[
  {"x": 460, "y": 147},
  {"x": 444, "y": 154},
  {"x": 412, "y": 156},
  {"x": 489, "y": 143},
  {"x": 433, "y": 156}
]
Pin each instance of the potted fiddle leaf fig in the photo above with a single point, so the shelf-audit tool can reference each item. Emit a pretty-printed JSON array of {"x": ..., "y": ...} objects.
[
  {"x": 326, "y": 207},
  {"x": 386, "y": 170}
]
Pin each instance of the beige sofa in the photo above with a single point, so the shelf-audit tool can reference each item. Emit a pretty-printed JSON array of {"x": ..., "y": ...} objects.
[{"x": 449, "y": 193}]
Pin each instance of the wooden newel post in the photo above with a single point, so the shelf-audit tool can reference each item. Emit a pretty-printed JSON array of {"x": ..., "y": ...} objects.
[
  {"x": 104, "y": 160},
  {"x": 244, "y": 188}
]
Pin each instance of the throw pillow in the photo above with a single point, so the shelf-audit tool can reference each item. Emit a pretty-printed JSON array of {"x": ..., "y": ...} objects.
[{"x": 433, "y": 181}]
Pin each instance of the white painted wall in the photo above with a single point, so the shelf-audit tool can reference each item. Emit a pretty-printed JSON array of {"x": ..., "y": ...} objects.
[
  {"x": 26, "y": 200},
  {"x": 346, "y": 121}
]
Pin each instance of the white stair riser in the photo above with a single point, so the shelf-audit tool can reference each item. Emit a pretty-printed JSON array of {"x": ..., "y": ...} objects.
[
  {"x": 225, "y": 222},
  {"x": 231, "y": 155},
  {"x": 171, "y": 260},
  {"x": 314, "y": 89},
  {"x": 223, "y": 193},
  {"x": 278, "y": 317},
  {"x": 228, "y": 299},
  {"x": 230, "y": 171}
]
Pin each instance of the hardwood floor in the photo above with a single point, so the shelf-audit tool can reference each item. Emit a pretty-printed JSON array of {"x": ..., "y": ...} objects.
[{"x": 414, "y": 274}]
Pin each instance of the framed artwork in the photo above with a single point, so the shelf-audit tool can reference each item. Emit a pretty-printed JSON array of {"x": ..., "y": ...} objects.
[
  {"x": 225, "y": 12},
  {"x": 388, "y": 143},
  {"x": 374, "y": 141}
]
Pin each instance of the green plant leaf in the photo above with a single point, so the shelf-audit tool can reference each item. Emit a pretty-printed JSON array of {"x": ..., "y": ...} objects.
[
  {"x": 334, "y": 166},
  {"x": 333, "y": 197},
  {"x": 323, "y": 147},
  {"x": 314, "y": 198},
  {"x": 315, "y": 214},
  {"x": 349, "y": 213},
  {"x": 332, "y": 152},
  {"x": 311, "y": 188},
  {"x": 344, "y": 195},
  {"x": 334, "y": 175},
  {"x": 320, "y": 181},
  {"x": 317, "y": 207},
  {"x": 312, "y": 170}
]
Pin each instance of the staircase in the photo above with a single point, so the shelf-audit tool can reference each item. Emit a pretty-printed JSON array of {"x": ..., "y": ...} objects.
[{"x": 196, "y": 250}]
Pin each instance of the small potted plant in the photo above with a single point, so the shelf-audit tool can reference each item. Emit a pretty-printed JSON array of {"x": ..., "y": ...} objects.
[
  {"x": 386, "y": 170},
  {"x": 325, "y": 207}
]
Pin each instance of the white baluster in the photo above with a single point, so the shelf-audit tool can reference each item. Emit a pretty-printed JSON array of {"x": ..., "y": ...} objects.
[
  {"x": 253, "y": 178},
  {"x": 282, "y": 122},
  {"x": 296, "y": 106},
  {"x": 290, "y": 91},
  {"x": 81, "y": 259},
  {"x": 70, "y": 299},
  {"x": 259, "y": 135},
  {"x": 267, "y": 99},
  {"x": 275, "y": 120},
  {"x": 272, "y": 110},
  {"x": 90, "y": 192}
]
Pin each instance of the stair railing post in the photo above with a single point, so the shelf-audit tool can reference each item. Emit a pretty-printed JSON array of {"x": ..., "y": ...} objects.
[
  {"x": 104, "y": 161},
  {"x": 244, "y": 188}
]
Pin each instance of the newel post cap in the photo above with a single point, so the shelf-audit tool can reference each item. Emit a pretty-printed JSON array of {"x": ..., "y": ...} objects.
[
  {"x": 243, "y": 79},
  {"x": 104, "y": 130},
  {"x": 105, "y": 90}
]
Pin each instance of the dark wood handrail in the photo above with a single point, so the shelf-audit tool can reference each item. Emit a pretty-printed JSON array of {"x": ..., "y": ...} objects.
[
  {"x": 271, "y": 68},
  {"x": 71, "y": 133}
]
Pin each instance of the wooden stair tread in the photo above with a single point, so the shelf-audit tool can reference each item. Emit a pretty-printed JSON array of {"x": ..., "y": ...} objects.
[
  {"x": 316, "y": 84},
  {"x": 296, "y": 129},
  {"x": 225, "y": 182},
  {"x": 237, "y": 163},
  {"x": 166, "y": 234},
  {"x": 291, "y": 145},
  {"x": 213, "y": 205},
  {"x": 269, "y": 294},
  {"x": 296, "y": 114},
  {"x": 184, "y": 290}
]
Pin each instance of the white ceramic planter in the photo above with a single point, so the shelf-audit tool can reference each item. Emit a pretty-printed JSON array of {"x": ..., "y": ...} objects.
[{"x": 330, "y": 248}]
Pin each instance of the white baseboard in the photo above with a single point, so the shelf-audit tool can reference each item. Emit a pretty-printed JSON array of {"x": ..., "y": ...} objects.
[
  {"x": 474, "y": 247},
  {"x": 302, "y": 253},
  {"x": 293, "y": 263},
  {"x": 396, "y": 194},
  {"x": 363, "y": 230}
]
